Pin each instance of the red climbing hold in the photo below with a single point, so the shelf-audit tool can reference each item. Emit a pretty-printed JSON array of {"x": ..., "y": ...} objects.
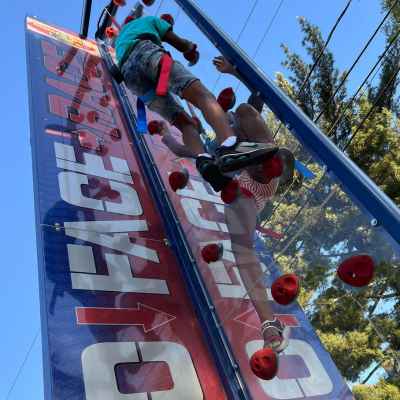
[
  {"x": 128, "y": 19},
  {"x": 178, "y": 179},
  {"x": 212, "y": 252},
  {"x": 148, "y": 3},
  {"x": 92, "y": 116},
  {"x": 285, "y": 289},
  {"x": 230, "y": 192},
  {"x": 93, "y": 183},
  {"x": 169, "y": 18},
  {"x": 115, "y": 133},
  {"x": 111, "y": 32},
  {"x": 154, "y": 127},
  {"x": 227, "y": 99},
  {"x": 272, "y": 168},
  {"x": 264, "y": 363},
  {"x": 76, "y": 117},
  {"x": 357, "y": 270},
  {"x": 119, "y": 3},
  {"x": 105, "y": 100}
]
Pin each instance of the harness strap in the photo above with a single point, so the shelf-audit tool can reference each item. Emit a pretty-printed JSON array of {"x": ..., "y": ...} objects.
[
  {"x": 166, "y": 63},
  {"x": 141, "y": 121}
]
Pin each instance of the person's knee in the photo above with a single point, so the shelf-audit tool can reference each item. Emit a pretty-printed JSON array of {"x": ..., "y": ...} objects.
[
  {"x": 198, "y": 91},
  {"x": 245, "y": 110}
]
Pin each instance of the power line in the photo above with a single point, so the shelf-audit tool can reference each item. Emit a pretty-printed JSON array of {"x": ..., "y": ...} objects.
[
  {"x": 372, "y": 37},
  {"x": 355, "y": 95},
  {"x": 246, "y": 22},
  {"x": 373, "y": 107},
  {"x": 21, "y": 367},
  {"x": 264, "y": 36},
  {"x": 348, "y": 104},
  {"x": 159, "y": 7},
  {"x": 316, "y": 62}
]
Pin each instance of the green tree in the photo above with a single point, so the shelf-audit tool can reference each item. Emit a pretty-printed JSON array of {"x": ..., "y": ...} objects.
[{"x": 323, "y": 225}]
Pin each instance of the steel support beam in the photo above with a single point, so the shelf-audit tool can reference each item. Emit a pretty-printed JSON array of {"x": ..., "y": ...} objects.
[{"x": 87, "y": 8}]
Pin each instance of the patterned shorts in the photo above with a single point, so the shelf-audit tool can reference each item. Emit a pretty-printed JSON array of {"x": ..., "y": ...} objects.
[{"x": 141, "y": 70}]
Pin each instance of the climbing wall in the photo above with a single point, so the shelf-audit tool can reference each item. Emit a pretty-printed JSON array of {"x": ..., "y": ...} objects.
[
  {"x": 120, "y": 318},
  {"x": 117, "y": 320}
]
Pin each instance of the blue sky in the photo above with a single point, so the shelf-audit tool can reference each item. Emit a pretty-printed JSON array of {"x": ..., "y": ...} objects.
[{"x": 20, "y": 291}]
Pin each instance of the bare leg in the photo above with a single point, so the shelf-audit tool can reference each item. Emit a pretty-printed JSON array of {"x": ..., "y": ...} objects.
[
  {"x": 241, "y": 219},
  {"x": 200, "y": 97},
  {"x": 190, "y": 137},
  {"x": 252, "y": 126}
]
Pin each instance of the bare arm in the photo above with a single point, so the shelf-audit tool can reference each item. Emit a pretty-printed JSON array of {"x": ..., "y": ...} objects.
[
  {"x": 176, "y": 41},
  {"x": 225, "y": 67}
]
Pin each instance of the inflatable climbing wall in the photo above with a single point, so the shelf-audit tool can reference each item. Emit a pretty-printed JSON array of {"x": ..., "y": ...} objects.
[{"x": 130, "y": 310}]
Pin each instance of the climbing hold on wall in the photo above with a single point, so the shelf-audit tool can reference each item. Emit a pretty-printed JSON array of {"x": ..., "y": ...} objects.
[
  {"x": 148, "y": 3},
  {"x": 111, "y": 32},
  {"x": 178, "y": 179},
  {"x": 105, "y": 100},
  {"x": 169, "y": 18},
  {"x": 227, "y": 99},
  {"x": 76, "y": 116},
  {"x": 154, "y": 127},
  {"x": 92, "y": 116},
  {"x": 119, "y": 3},
  {"x": 212, "y": 252},
  {"x": 357, "y": 270},
  {"x": 264, "y": 363},
  {"x": 115, "y": 133},
  {"x": 128, "y": 19},
  {"x": 286, "y": 289}
]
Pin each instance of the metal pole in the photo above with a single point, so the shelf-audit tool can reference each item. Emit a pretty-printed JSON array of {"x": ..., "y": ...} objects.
[
  {"x": 87, "y": 8},
  {"x": 363, "y": 190},
  {"x": 111, "y": 11}
]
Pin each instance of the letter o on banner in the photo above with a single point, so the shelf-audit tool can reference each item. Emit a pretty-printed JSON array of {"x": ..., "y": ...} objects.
[{"x": 99, "y": 361}]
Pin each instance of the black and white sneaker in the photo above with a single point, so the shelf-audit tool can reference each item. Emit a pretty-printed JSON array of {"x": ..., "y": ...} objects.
[
  {"x": 210, "y": 172},
  {"x": 243, "y": 154}
]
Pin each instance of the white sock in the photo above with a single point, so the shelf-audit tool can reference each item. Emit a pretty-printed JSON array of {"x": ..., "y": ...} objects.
[{"x": 230, "y": 141}]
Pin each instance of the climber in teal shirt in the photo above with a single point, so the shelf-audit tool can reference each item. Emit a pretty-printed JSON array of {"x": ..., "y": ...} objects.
[{"x": 150, "y": 28}]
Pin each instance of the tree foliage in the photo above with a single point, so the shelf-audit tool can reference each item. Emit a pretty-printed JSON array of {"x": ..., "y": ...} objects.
[{"x": 323, "y": 225}]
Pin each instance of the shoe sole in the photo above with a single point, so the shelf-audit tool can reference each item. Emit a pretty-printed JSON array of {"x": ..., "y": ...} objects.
[
  {"x": 209, "y": 173},
  {"x": 234, "y": 162}
]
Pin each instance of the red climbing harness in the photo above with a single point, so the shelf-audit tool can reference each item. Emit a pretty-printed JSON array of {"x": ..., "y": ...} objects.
[{"x": 166, "y": 64}]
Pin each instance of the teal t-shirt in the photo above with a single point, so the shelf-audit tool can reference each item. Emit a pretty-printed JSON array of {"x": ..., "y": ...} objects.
[{"x": 154, "y": 27}]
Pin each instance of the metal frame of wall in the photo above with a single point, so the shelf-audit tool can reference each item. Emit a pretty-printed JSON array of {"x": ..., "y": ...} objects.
[{"x": 355, "y": 181}]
